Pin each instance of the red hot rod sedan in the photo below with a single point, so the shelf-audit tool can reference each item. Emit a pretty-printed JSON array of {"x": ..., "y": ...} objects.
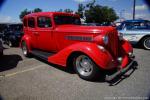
[{"x": 60, "y": 38}]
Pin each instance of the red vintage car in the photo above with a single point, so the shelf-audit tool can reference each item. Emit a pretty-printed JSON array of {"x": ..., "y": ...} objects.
[{"x": 60, "y": 38}]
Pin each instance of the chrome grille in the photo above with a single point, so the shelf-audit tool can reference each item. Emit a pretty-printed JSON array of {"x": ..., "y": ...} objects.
[{"x": 112, "y": 46}]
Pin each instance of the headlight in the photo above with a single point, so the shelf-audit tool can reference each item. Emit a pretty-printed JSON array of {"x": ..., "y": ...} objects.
[
  {"x": 105, "y": 40},
  {"x": 120, "y": 36}
]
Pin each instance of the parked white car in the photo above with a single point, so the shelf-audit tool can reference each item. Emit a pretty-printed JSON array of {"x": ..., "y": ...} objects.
[{"x": 136, "y": 31}]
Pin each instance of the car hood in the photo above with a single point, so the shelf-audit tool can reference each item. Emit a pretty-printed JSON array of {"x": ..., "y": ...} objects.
[{"x": 83, "y": 29}]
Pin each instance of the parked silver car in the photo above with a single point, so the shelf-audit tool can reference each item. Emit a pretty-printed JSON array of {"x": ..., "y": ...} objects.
[
  {"x": 136, "y": 31},
  {"x": 1, "y": 48}
]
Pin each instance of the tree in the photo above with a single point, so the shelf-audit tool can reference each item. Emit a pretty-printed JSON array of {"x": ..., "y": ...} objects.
[
  {"x": 68, "y": 11},
  {"x": 65, "y": 10},
  {"x": 37, "y": 10},
  {"x": 23, "y": 13},
  {"x": 80, "y": 11},
  {"x": 60, "y": 10},
  {"x": 100, "y": 14},
  {"x": 26, "y": 11},
  {"x": 91, "y": 4},
  {"x": 96, "y": 13}
]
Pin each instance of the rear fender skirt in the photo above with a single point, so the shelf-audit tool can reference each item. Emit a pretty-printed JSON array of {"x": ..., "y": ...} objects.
[{"x": 102, "y": 58}]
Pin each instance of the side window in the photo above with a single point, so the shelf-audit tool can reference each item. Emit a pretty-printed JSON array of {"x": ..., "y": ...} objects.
[
  {"x": 31, "y": 22},
  {"x": 44, "y": 22},
  {"x": 25, "y": 22},
  {"x": 129, "y": 26}
]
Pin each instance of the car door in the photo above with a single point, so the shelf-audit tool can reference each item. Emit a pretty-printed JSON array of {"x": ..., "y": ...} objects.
[
  {"x": 32, "y": 31},
  {"x": 129, "y": 35},
  {"x": 45, "y": 34}
]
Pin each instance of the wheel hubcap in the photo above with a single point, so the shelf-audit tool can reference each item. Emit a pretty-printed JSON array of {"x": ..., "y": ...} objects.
[
  {"x": 10, "y": 44},
  {"x": 147, "y": 43},
  {"x": 84, "y": 65},
  {"x": 24, "y": 49}
]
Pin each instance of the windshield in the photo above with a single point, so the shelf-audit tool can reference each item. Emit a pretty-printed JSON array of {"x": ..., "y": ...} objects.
[
  {"x": 135, "y": 25},
  {"x": 61, "y": 20},
  {"x": 139, "y": 25}
]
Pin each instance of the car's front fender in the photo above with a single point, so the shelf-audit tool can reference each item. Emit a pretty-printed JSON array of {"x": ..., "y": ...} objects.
[
  {"x": 102, "y": 58},
  {"x": 126, "y": 46},
  {"x": 125, "y": 49}
]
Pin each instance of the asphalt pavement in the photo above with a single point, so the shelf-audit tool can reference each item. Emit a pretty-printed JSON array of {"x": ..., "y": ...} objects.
[{"x": 24, "y": 78}]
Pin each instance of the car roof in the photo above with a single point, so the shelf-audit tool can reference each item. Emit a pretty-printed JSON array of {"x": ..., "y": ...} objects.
[
  {"x": 51, "y": 13},
  {"x": 134, "y": 21}
]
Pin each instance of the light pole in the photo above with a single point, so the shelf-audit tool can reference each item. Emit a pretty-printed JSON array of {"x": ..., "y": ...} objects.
[{"x": 134, "y": 9}]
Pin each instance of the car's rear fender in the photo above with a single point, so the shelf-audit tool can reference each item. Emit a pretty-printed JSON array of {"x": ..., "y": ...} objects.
[
  {"x": 27, "y": 40},
  {"x": 102, "y": 58}
]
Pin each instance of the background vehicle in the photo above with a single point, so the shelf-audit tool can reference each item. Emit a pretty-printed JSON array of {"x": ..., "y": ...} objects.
[
  {"x": 3, "y": 26},
  {"x": 92, "y": 24},
  {"x": 12, "y": 34},
  {"x": 1, "y": 48},
  {"x": 136, "y": 31},
  {"x": 60, "y": 38}
]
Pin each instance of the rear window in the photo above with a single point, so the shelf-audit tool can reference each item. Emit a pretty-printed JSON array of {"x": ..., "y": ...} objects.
[
  {"x": 44, "y": 22},
  {"x": 60, "y": 20},
  {"x": 31, "y": 22}
]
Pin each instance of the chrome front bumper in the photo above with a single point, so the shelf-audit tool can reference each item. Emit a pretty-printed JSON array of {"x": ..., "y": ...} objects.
[{"x": 120, "y": 72}]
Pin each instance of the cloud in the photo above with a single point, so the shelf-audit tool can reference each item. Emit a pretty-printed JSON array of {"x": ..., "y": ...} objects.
[
  {"x": 145, "y": 16},
  {"x": 7, "y": 19},
  {"x": 112, "y": 0},
  {"x": 141, "y": 7},
  {"x": 127, "y": 15},
  {"x": 81, "y": 1}
]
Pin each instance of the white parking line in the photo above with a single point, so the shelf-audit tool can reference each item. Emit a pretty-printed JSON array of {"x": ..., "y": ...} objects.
[{"x": 23, "y": 71}]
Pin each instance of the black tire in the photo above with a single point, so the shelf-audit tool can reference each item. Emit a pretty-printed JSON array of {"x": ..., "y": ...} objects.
[
  {"x": 25, "y": 49},
  {"x": 91, "y": 72},
  {"x": 146, "y": 43},
  {"x": 1, "y": 53}
]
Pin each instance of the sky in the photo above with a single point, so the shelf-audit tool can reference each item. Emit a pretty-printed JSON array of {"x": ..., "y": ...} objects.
[{"x": 10, "y": 9}]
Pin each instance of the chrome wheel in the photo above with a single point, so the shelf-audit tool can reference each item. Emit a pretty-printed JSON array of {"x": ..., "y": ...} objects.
[
  {"x": 9, "y": 43},
  {"x": 84, "y": 65},
  {"x": 147, "y": 43}
]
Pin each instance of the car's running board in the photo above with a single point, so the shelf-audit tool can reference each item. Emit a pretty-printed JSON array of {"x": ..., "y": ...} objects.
[{"x": 42, "y": 54}]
